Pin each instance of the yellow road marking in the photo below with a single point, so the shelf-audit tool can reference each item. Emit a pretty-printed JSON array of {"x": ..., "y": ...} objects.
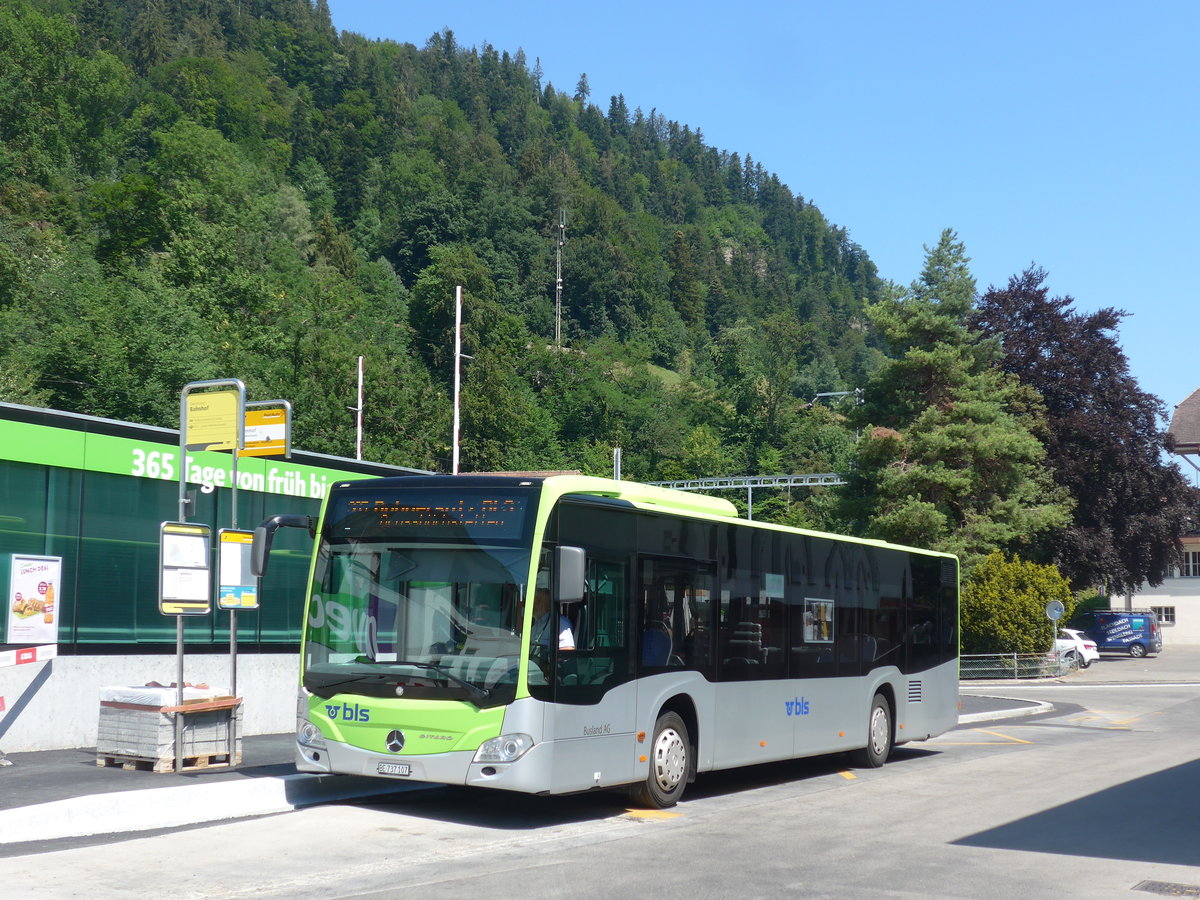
[
  {"x": 651, "y": 814},
  {"x": 849, "y": 776},
  {"x": 1008, "y": 739}
]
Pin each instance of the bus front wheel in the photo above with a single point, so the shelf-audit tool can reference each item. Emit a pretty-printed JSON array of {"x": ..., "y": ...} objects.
[
  {"x": 670, "y": 762},
  {"x": 879, "y": 736}
]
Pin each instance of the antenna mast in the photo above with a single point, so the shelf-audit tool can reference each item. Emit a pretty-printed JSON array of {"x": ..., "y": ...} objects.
[
  {"x": 358, "y": 413},
  {"x": 458, "y": 354},
  {"x": 562, "y": 237}
]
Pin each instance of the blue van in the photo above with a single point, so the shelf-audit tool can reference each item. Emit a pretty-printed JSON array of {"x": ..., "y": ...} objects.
[{"x": 1132, "y": 631}]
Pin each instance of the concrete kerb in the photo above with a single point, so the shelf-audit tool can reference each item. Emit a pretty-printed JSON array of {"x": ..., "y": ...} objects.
[
  {"x": 1026, "y": 708},
  {"x": 171, "y": 807},
  {"x": 193, "y": 804},
  {"x": 185, "y": 805}
]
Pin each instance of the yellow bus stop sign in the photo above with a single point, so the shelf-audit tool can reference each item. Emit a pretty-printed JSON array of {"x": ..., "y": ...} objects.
[
  {"x": 266, "y": 432},
  {"x": 212, "y": 420}
]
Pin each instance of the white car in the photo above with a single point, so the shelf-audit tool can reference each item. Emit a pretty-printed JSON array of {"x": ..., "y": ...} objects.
[{"x": 1075, "y": 643}]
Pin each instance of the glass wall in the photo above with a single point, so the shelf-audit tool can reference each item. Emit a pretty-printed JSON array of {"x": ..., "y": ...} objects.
[
  {"x": 105, "y": 528},
  {"x": 95, "y": 492}
]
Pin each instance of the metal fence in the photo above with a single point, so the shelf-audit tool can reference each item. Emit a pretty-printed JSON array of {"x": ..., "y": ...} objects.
[{"x": 1014, "y": 666}]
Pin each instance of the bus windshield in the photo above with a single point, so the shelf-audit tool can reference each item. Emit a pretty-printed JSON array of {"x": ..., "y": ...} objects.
[{"x": 394, "y": 613}]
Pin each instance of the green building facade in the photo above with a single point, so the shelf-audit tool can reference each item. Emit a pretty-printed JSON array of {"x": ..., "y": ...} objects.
[{"x": 94, "y": 492}]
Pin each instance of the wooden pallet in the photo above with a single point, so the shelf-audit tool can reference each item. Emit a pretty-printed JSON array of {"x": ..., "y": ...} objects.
[{"x": 167, "y": 763}]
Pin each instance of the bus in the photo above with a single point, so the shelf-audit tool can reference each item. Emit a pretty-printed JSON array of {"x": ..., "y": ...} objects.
[{"x": 560, "y": 634}]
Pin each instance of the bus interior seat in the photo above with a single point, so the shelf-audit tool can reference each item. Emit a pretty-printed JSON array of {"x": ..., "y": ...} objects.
[
  {"x": 853, "y": 648},
  {"x": 578, "y": 618},
  {"x": 656, "y": 645},
  {"x": 870, "y": 649},
  {"x": 501, "y": 667},
  {"x": 746, "y": 642}
]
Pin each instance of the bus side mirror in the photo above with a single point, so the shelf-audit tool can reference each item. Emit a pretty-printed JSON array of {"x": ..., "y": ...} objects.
[
  {"x": 264, "y": 535},
  {"x": 570, "y": 567}
]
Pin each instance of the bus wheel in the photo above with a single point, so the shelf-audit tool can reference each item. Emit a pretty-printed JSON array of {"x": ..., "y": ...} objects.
[
  {"x": 670, "y": 762},
  {"x": 879, "y": 736},
  {"x": 1137, "y": 651}
]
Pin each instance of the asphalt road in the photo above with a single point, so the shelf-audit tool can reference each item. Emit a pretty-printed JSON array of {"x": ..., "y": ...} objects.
[{"x": 1095, "y": 799}]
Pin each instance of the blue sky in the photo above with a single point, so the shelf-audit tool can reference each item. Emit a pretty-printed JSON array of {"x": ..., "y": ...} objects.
[{"x": 1058, "y": 132}]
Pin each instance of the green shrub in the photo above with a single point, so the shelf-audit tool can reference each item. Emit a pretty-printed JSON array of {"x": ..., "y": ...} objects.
[
  {"x": 1004, "y": 606},
  {"x": 1094, "y": 601}
]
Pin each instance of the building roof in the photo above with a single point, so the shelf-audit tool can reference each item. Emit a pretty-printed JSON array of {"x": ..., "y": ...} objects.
[{"x": 1185, "y": 424}]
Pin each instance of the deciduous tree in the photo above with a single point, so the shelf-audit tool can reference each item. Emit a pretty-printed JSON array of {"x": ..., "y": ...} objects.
[{"x": 1105, "y": 438}]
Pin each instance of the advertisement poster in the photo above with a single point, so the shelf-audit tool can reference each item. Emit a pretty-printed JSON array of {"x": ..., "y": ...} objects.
[
  {"x": 818, "y": 621},
  {"x": 33, "y": 590}
]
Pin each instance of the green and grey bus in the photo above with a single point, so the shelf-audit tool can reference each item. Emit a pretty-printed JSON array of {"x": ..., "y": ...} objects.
[{"x": 559, "y": 634}]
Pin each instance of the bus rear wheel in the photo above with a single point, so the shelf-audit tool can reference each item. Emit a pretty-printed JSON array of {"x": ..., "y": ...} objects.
[
  {"x": 670, "y": 763},
  {"x": 879, "y": 736}
]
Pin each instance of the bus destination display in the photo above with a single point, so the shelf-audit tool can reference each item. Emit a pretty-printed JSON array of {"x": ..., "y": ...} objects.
[{"x": 431, "y": 514}]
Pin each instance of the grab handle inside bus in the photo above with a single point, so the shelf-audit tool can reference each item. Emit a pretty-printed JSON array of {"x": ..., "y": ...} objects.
[
  {"x": 570, "y": 567},
  {"x": 264, "y": 535}
]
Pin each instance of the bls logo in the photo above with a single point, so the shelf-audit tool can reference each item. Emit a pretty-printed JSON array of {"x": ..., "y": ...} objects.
[
  {"x": 349, "y": 713},
  {"x": 797, "y": 707}
]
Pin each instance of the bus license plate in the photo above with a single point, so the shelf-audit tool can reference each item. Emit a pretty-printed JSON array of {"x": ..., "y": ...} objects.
[{"x": 393, "y": 769}]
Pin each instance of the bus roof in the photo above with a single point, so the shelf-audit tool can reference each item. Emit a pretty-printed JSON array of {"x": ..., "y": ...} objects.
[{"x": 642, "y": 495}]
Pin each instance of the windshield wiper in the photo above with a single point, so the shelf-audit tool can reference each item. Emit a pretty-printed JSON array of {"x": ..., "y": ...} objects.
[
  {"x": 445, "y": 672},
  {"x": 429, "y": 667},
  {"x": 354, "y": 679}
]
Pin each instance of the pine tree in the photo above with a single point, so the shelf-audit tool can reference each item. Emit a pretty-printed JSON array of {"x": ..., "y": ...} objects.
[
  {"x": 150, "y": 37},
  {"x": 582, "y": 91},
  {"x": 949, "y": 458},
  {"x": 686, "y": 291}
]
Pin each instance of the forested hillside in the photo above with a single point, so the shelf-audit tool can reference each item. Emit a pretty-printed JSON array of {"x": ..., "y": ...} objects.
[
  {"x": 197, "y": 189},
  {"x": 194, "y": 189}
]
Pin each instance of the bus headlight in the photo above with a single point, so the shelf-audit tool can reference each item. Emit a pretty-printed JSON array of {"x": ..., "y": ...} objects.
[
  {"x": 504, "y": 749},
  {"x": 309, "y": 735}
]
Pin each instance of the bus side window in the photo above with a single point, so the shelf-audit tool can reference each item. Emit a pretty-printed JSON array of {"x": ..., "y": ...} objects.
[{"x": 601, "y": 656}]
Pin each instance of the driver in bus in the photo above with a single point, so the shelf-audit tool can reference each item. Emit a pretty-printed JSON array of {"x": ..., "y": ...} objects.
[{"x": 543, "y": 628}]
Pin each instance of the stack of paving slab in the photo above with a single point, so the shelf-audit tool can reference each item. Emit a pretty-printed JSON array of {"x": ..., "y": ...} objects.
[{"x": 137, "y": 727}]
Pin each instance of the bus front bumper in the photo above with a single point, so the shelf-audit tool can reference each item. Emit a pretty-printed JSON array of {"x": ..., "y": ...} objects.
[{"x": 529, "y": 774}]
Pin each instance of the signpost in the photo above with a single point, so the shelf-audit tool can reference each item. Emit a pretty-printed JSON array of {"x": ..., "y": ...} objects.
[
  {"x": 184, "y": 589},
  {"x": 184, "y": 580},
  {"x": 236, "y": 588},
  {"x": 1054, "y": 611},
  {"x": 268, "y": 429},
  {"x": 214, "y": 415}
]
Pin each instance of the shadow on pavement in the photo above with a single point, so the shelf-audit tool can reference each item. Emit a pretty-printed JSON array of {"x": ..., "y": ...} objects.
[
  {"x": 511, "y": 811},
  {"x": 1149, "y": 819}
]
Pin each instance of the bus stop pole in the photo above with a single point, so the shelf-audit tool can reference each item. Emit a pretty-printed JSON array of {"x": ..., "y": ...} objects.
[
  {"x": 183, "y": 510},
  {"x": 233, "y": 622},
  {"x": 233, "y": 517}
]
